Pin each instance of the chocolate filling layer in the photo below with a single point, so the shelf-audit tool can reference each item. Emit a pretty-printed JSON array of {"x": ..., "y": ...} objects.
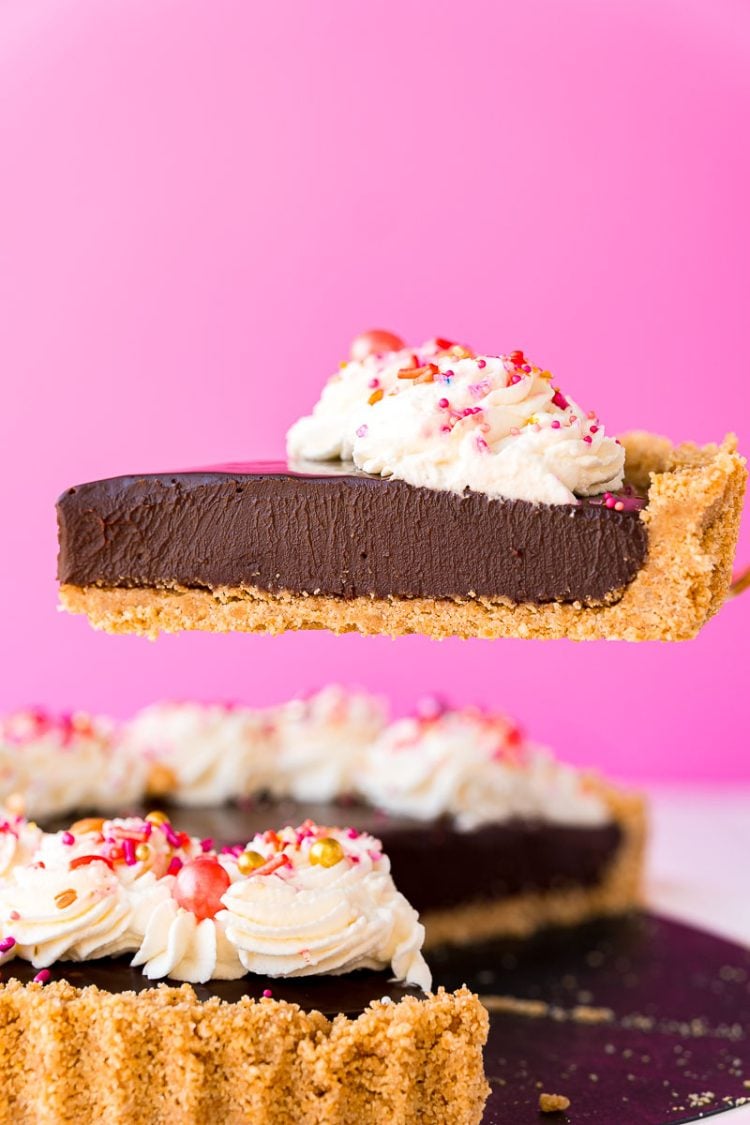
[
  {"x": 328, "y": 994},
  {"x": 434, "y": 865},
  {"x": 332, "y": 530}
]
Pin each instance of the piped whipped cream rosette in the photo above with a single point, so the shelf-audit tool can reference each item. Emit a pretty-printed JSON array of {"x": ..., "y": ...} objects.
[
  {"x": 320, "y": 743},
  {"x": 331, "y": 908},
  {"x": 329, "y": 433},
  {"x": 440, "y": 417},
  {"x": 203, "y": 753},
  {"x": 477, "y": 768},
  {"x": 54, "y": 764},
  {"x": 289, "y": 903}
]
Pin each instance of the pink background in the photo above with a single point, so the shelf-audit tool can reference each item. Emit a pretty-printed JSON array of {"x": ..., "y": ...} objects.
[{"x": 200, "y": 203}]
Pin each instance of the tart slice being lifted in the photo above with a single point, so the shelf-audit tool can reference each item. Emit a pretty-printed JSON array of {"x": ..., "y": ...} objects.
[{"x": 431, "y": 491}]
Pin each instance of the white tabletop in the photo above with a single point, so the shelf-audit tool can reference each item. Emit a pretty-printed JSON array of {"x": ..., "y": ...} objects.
[{"x": 699, "y": 867}]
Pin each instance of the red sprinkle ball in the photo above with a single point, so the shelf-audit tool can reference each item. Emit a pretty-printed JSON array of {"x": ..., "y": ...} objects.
[{"x": 200, "y": 885}]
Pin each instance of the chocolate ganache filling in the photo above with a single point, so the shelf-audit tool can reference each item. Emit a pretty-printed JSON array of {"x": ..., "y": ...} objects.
[
  {"x": 434, "y": 865},
  {"x": 350, "y": 993},
  {"x": 330, "y": 529}
]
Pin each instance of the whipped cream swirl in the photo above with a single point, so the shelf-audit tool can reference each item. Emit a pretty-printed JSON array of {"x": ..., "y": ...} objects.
[
  {"x": 476, "y": 768},
  {"x": 452, "y": 421},
  {"x": 201, "y": 753},
  {"x": 177, "y": 944},
  {"x": 321, "y": 741},
  {"x": 56, "y": 764},
  {"x": 55, "y": 913},
  {"x": 307, "y": 918}
]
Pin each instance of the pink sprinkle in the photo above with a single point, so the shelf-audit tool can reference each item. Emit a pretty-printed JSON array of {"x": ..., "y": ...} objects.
[
  {"x": 14, "y": 916},
  {"x": 352, "y": 833},
  {"x": 573, "y": 418},
  {"x": 587, "y": 439},
  {"x": 560, "y": 400},
  {"x": 515, "y": 431},
  {"x": 207, "y": 845},
  {"x": 267, "y": 993},
  {"x": 362, "y": 431},
  {"x": 481, "y": 363},
  {"x": 445, "y": 429},
  {"x": 619, "y": 506},
  {"x": 128, "y": 851},
  {"x": 591, "y": 416},
  {"x": 609, "y": 501},
  {"x": 172, "y": 838},
  {"x": 448, "y": 374},
  {"x": 374, "y": 383},
  {"x": 515, "y": 379},
  {"x": 42, "y": 976},
  {"x": 68, "y": 838},
  {"x": 481, "y": 443},
  {"x": 175, "y": 865},
  {"x": 525, "y": 367},
  {"x": 555, "y": 425},
  {"x": 7, "y": 944},
  {"x": 443, "y": 403},
  {"x": 593, "y": 429}
]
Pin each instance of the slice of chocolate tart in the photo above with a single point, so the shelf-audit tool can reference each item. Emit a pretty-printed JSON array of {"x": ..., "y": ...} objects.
[{"x": 431, "y": 491}]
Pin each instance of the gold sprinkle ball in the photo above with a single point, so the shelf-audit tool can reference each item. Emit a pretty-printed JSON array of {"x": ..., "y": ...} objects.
[
  {"x": 249, "y": 861},
  {"x": 142, "y": 852},
  {"x": 157, "y": 817},
  {"x": 327, "y": 852}
]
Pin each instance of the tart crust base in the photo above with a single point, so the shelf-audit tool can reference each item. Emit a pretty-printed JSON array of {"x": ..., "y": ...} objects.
[
  {"x": 695, "y": 500},
  {"x": 86, "y": 1056},
  {"x": 619, "y": 890}
]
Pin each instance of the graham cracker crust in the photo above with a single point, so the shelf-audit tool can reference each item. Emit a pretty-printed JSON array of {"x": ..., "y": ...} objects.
[
  {"x": 618, "y": 891},
  {"x": 693, "y": 514},
  {"x": 87, "y": 1057}
]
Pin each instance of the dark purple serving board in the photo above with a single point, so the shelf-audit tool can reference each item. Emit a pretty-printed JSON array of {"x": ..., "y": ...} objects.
[{"x": 679, "y": 1027}]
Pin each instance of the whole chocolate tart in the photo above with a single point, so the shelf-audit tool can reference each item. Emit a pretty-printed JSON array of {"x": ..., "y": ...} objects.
[
  {"x": 322, "y": 1039},
  {"x": 266, "y": 548}
]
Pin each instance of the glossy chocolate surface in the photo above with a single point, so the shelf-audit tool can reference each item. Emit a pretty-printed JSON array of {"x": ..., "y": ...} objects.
[
  {"x": 333, "y": 530},
  {"x": 434, "y": 865}
]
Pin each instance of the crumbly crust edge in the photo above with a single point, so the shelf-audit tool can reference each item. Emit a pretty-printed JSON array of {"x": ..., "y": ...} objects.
[
  {"x": 620, "y": 890},
  {"x": 84, "y": 1056},
  {"x": 695, "y": 498}
]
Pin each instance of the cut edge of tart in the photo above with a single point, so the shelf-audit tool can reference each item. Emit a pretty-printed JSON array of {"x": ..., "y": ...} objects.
[
  {"x": 618, "y": 891},
  {"x": 693, "y": 510},
  {"x": 88, "y": 1055}
]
